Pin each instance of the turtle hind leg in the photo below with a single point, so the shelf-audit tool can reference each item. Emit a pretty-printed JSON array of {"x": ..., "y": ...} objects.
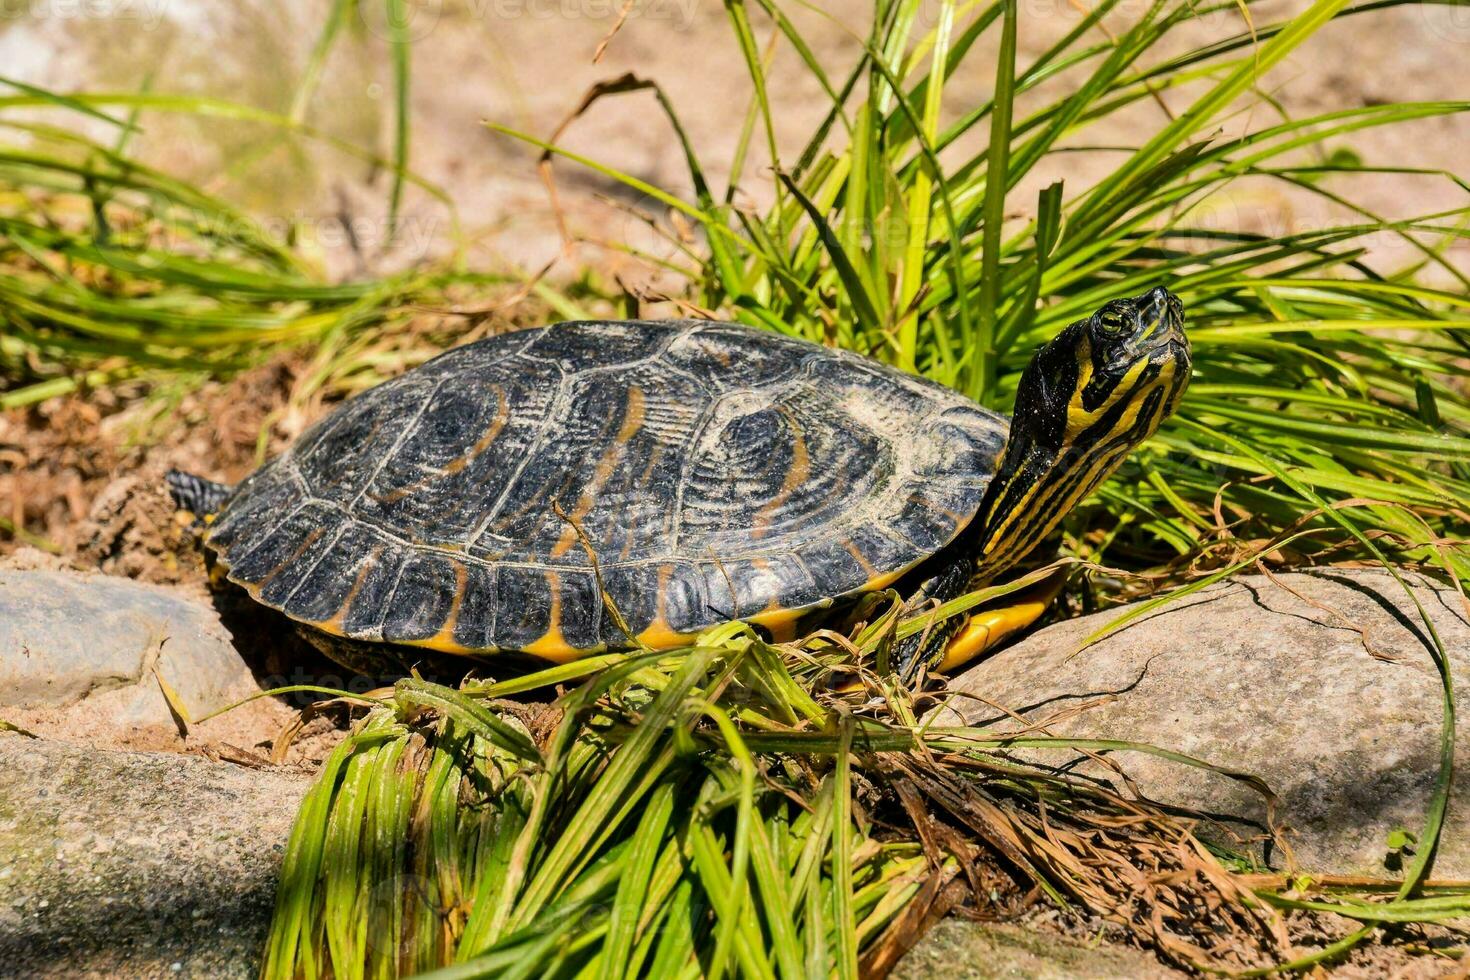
[
  {"x": 195, "y": 495},
  {"x": 383, "y": 663}
]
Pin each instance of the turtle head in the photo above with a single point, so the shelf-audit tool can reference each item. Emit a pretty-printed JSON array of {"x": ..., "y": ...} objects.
[{"x": 1086, "y": 400}]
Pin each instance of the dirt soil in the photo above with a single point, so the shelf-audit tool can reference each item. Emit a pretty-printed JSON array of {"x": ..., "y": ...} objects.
[{"x": 84, "y": 488}]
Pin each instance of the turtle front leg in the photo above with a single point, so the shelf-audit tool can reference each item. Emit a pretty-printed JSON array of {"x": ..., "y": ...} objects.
[
  {"x": 961, "y": 639},
  {"x": 988, "y": 627},
  {"x": 927, "y": 646}
]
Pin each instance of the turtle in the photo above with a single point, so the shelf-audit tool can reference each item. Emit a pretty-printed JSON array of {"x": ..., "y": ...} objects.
[{"x": 596, "y": 486}]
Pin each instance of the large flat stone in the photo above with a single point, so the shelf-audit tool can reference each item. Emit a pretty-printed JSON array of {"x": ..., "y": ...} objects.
[
  {"x": 68, "y": 638},
  {"x": 1329, "y": 694},
  {"x": 956, "y": 949},
  {"x": 135, "y": 864}
]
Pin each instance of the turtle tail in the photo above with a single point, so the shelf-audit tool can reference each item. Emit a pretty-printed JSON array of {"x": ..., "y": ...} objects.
[{"x": 200, "y": 497}]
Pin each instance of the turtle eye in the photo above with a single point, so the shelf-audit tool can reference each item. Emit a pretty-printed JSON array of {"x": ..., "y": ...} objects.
[{"x": 1111, "y": 321}]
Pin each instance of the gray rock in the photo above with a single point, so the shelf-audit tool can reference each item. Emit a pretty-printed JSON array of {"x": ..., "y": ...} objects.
[
  {"x": 67, "y": 638},
  {"x": 134, "y": 864},
  {"x": 1334, "y": 701},
  {"x": 148, "y": 865},
  {"x": 956, "y": 949}
]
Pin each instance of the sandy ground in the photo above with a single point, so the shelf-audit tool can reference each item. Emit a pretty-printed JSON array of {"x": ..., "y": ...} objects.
[{"x": 527, "y": 63}]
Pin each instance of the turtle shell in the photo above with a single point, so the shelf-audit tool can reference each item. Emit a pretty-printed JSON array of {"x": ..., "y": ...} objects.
[{"x": 699, "y": 471}]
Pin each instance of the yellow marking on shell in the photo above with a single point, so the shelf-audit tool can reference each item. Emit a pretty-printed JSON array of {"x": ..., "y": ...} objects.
[
  {"x": 491, "y": 433},
  {"x": 987, "y": 628},
  {"x": 886, "y": 579},
  {"x": 563, "y": 655},
  {"x": 553, "y": 644},
  {"x": 333, "y": 624},
  {"x": 780, "y": 622},
  {"x": 632, "y": 423},
  {"x": 658, "y": 635},
  {"x": 487, "y": 438},
  {"x": 862, "y": 559},
  {"x": 796, "y": 475},
  {"x": 783, "y": 621},
  {"x": 928, "y": 504},
  {"x": 444, "y": 639},
  {"x": 311, "y": 539},
  {"x": 629, "y": 539}
]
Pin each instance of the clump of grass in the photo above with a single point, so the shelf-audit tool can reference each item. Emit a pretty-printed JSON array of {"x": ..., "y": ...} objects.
[
  {"x": 113, "y": 273},
  {"x": 728, "y": 808}
]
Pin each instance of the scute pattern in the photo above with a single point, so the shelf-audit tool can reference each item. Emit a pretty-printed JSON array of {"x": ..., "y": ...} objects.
[{"x": 714, "y": 472}]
